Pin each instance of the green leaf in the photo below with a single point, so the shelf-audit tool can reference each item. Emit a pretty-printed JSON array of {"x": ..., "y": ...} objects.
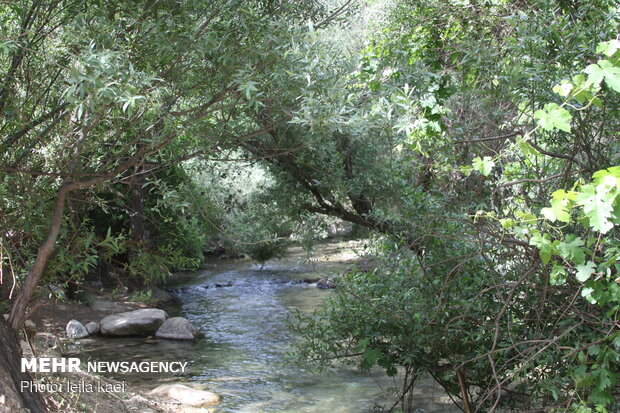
[
  {"x": 371, "y": 355},
  {"x": 558, "y": 275},
  {"x": 553, "y": 117},
  {"x": 562, "y": 195},
  {"x": 608, "y": 48},
  {"x": 584, "y": 271},
  {"x": 564, "y": 89},
  {"x": 544, "y": 244},
  {"x": 604, "y": 70},
  {"x": 585, "y": 90},
  {"x": 526, "y": 217},
  {"x": 507, "y": 223},
  {"x": 248, "y": 88},
  {"x": 528, "y": 149},
  {"x": 484, "y": 166},
  {"x": 363, "y": 344},
  {"x": 598, "y": 176},
  {"x": 557, "y": 211},
  {"x": 597, "y": 202},
  {"x": 571, "y": 249}
]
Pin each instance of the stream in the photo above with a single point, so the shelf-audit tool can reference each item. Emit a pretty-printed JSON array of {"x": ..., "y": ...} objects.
[{"x": 243, "y": 354}]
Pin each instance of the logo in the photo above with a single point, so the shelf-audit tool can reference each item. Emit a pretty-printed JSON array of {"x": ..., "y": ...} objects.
[{"x": 73, "y": 364}]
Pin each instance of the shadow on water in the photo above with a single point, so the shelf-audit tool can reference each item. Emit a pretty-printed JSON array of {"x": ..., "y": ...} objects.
[{"x": 242, "y": 356}]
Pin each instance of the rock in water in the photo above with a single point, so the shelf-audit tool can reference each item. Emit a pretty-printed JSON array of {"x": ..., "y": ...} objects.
[
  {"x": 187, "y": 395},
  {"x": 92, "y": 327},
  {"x": 142, "y": 322},
  {"x": 75, "y": 329},
  {"x": 324, "y": 283},
  {"x": 177, "y": 328}
]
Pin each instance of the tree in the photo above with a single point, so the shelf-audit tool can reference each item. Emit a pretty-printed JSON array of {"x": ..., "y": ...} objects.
[
  {"x": 438, "y": 126},
  {"x": 93, "y": 91}
]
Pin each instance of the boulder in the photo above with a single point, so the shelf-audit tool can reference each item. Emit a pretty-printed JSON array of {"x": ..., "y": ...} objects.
[
  {"x": 141, "y": 322},
  {"x": 75, "y": 329},
  {"x": 187, "y": 395},
  {"x": 92, "y": 327},
  {"x": 326, "y": 283},
  {"x": 177, "y": 328}
]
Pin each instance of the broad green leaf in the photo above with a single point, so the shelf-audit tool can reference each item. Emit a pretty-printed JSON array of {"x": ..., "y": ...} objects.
[
  {"x": 484, "y": 166},
  {"x": 363, "y": 343},
  {"x": 597, "y": 202},
  {"x": 581, "y": 82},
  {"x": 571, "y": 249},
  {"x": 611, "y": 73},
  {"x": 608, "y": 48},
  {"x": 467, "y": 170},
  {"x": 553, "y": 117},
  {"x": 545, "y": 247},
  {"x": 586, "y": 292},
  {"x": 548, "y": 214},
  {"x": 585, "y": 90},
  {"x": 604, "y": 70},
  {"x": 595, "y": 74},
  {"x": 563, "y": 89},
  {"x": 584, "y": 271},
  {"x": 614, "y": 171},
  {"x": 563, "y": 195},
  {"x": 557, "y": 211}
]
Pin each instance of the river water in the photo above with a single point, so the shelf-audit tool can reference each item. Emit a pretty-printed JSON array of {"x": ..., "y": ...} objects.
[{"x": 243, "y": 354}]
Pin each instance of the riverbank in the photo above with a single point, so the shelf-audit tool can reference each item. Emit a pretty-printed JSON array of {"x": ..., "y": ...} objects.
[{"x": 82, "y": 391}]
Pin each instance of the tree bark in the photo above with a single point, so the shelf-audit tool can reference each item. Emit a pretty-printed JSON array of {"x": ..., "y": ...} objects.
[
  {"x": 19, "y": 314},
  {"x": 137, "y": 211},
  {"x": 463, "y": 387},
  {"x": 11, "y": 375}
]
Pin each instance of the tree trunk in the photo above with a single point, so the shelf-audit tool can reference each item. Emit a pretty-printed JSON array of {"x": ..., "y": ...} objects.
[
  {"x": 11, "y": 375},
  {"x": 19, "y": 309},
  {"x": 19, "y": 313},
  {"x": 137, "y": 212}
]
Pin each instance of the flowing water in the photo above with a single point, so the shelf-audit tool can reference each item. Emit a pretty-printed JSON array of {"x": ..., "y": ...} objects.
[{"x": 243, "y": 354}]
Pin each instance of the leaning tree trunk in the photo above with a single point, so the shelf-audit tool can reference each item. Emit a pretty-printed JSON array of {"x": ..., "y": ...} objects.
[
  {"x": 19, "y": 309},
  {"x": 11, "y": 376}
]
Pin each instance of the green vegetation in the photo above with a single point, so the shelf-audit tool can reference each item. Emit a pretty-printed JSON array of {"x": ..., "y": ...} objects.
[{"x": 476, "y": 142}]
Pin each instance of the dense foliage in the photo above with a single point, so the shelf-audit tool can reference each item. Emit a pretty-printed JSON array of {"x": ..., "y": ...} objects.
[
  {"x": 476, "y": 127},
  {"x": 477, "y": 142}
]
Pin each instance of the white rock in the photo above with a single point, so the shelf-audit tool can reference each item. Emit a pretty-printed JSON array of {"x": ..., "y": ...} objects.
[
  {"x": 75, "y": 329},
  {"x": 187, "y": 395}
]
